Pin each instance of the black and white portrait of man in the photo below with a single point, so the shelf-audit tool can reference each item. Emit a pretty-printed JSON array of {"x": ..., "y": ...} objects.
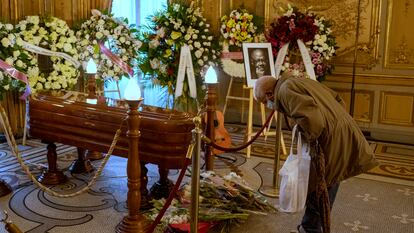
[{"x": 258, "y": 61}]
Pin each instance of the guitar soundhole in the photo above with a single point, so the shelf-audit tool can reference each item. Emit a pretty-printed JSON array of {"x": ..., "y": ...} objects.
[{"x": 216, "y": 124}]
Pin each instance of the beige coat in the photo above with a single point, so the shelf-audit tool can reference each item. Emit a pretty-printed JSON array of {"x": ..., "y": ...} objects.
[{"x": 320, "y": 114}]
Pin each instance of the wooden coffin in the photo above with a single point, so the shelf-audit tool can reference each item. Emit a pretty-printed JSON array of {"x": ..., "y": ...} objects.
[{"x": 165, "y": 134}]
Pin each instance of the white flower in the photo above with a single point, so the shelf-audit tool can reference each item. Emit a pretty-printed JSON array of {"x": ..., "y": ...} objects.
[
  {"x": 122, "y": 39},
  {"x": 16, "y": 53},
  {"x": 200, "y": 62},
  {"x": 67, "y": 47},
  {"x": 19, "y": 41},
  {"x": 296, "y": 73},
  {"x": 155, "y": 63},
  {"x": 99, "y": 35},
  {"x": 9, "y": 27},
  {"x": 6, "y": 87},
  {"x": 198, "y": 53},
  {"x": 9, "y": 61},
  {"x": 96, "y": 12},
  {"x": 163, "y": 68},
  {"x": 197, "y": 44},
  {"x": 39, "y": 86},
  {"x": 5, "y": 42},
  {"x": 187, "y": 37},
  {"x": 176, "y": 7},
  {"x": 19, "y": 63},
  {"x": 153, "y": 43},
  {"x": 161, "y": 32}
]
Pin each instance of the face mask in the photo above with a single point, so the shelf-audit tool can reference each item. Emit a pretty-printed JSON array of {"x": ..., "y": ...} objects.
[{"x": 270, "y": 104}]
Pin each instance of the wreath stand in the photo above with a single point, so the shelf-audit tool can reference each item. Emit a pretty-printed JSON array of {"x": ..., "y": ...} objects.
[{"x": 250, "y": 99}]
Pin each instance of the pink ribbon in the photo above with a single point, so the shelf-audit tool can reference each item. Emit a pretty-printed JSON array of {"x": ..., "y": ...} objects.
[
  {"x": 14, "y": 73},
  {"x": 117, "y": 60}
]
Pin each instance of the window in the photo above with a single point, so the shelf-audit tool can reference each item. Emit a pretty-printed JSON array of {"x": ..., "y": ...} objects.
[{"x": 137, "y": 12}]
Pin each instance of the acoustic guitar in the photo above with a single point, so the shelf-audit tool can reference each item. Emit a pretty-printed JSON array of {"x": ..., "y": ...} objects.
[{"x": 221, "y": 136}]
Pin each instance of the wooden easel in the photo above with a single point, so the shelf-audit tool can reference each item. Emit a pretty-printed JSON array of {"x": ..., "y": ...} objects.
[{"x": 249, "y": 126}]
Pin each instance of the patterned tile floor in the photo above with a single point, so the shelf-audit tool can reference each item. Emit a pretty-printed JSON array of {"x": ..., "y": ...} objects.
[{"x": 369, "y": 203}]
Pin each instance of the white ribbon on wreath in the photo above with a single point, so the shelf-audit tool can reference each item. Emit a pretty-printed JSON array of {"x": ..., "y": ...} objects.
[
  {"x": 39, "y": 50},
  {"x": 305, "y": 56}
]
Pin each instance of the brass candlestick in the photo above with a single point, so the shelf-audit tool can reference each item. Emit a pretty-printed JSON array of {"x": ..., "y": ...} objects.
[
  {"x": 134, "y": 222},
  {"x": 211, "y": 102},
  {"x": 91, "y": 86}
]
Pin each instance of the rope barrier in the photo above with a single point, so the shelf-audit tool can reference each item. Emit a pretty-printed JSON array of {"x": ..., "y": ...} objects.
[
  {"x": 187, "y": 162},
  {"x": 15, "y": 151},
  {"x": 173, "y": 191},
  {"x": 209, "y": 142}
]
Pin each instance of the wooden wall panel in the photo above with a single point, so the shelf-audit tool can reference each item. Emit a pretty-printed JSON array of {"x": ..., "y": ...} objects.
[
  {"x": 212, "y": 10},
  {"x": 62, "y": 8},
  {"x": 397, "y": 108},
  {"x": 363, "y": 111},
  {"x": 30, "y": 7},
  {"x": 400, "y": 35},
  {"x": 71, "y": 11},
  {"x": 4, "y": 10}
]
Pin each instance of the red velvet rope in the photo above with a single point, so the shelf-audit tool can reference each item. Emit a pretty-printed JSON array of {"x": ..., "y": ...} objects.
[
  {"x": 170, "y": 197},
  {"x": 233, "y": 149},
  {"x": 187, "y": 162}
]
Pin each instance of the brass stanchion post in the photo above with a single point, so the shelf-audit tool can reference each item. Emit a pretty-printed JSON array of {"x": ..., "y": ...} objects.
[
  {"x": 91, "y": 71},
  {"x": 273, "y": 191},
  {"x": 134, "y": 222},
  {"x": 195, "y": 176}
]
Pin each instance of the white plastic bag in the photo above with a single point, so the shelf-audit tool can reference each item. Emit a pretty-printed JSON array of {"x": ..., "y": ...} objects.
[{"x": 295, "y": 177}]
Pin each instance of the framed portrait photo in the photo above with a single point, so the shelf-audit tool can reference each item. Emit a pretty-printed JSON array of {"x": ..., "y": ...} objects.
[{"x": 258, "y": 61}]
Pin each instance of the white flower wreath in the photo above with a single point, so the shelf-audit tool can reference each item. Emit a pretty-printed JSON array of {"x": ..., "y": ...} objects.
[
  {"x": 53, "y": 34},
  {"x": 232, "y": 68},
  {"x": 15, "y": 56},
  {"x": 116, "y": 35}
]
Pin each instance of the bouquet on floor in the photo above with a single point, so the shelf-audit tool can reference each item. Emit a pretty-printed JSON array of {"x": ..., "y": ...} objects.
[
  {"x": 178, "y": 24},
  {"x": 223, "y": 201},
  {"x": 313, "y": 30}
]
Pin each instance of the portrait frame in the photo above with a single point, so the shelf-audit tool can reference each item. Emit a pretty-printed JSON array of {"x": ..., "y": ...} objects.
[{"x": 266, "y": 54}]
